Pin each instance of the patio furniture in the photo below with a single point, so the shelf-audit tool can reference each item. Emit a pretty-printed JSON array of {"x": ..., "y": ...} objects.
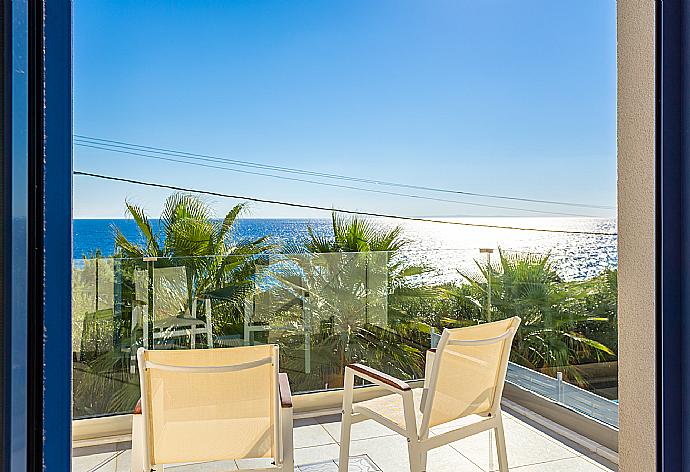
[
  {"x": 173, "y": 314},
  {"x": 464, "y": 379},
  {"x": 212, "y": 405}
]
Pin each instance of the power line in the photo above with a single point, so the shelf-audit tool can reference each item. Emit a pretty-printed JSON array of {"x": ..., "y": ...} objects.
[
  {"x": 126, "y": 145},
  {"x": 314, "y": 207},
  {"x": 296, "y": 179}
]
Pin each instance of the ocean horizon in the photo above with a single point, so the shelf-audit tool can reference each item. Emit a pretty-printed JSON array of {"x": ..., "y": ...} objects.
[{"x": 443, "y": 247}]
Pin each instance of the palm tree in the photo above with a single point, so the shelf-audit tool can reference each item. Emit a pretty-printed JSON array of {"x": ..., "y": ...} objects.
[
  {"x": 358, "y": 280},
  {"x": 188, "y": 234},
  {"x": 355, "y": 235},
  {"x": 601, "y": 300},
  {"x": 528, "y": 286}
]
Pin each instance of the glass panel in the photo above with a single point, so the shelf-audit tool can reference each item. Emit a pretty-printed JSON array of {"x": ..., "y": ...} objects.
[
  {"x": 326, "y": 310},
  {"x": 103, "y": 304},
  {"x": 302, "y": 302}
]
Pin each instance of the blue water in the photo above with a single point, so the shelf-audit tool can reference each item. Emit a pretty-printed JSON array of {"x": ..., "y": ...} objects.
[
  {"x": 98, "y": 234},
  {"x": 444, "y": 248}
]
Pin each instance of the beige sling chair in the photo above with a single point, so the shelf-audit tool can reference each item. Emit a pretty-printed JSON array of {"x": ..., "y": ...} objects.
[
  {"x": 212, "y": 405},
  {"x": 464, "y": 379}
]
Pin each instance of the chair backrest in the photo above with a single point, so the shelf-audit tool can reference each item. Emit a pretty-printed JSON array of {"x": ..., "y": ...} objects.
[
  {"x": 469, "y": 371},
  {"x": 170, "y": 290},
  {"x": 210, "y": 404}
]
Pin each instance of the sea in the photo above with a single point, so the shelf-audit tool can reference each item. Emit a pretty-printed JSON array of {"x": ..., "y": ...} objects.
[{"x": 445, "y": 248}]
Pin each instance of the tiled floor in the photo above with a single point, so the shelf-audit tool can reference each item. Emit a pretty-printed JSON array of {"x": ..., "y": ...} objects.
[{"x": 375, "y": 448}]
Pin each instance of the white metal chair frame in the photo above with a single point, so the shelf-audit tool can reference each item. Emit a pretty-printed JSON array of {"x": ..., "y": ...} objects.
[
  {"x": 284, "y": 454},
  {"x": 249, "y": 329},
  {"x": 186, "y": 326},
  {"x": 418, "y": 441}
]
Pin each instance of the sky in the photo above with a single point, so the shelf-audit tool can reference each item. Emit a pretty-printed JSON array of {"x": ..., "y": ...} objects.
[{"x": 507, "y": 97}]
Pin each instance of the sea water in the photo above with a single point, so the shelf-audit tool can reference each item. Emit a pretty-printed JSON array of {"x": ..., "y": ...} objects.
[{"x": 444, "y": 248}]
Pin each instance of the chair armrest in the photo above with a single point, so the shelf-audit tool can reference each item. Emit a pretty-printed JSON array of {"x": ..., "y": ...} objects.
[
  {"x": 285, "y": 393},
  {"x": 378, "y": 377}
]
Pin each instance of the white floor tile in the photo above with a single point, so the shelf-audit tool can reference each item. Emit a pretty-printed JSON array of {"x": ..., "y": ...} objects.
[
  {"x": 390, "y": 454},
  {"x": 312, "y": 455},
  {"x": 123, "y": 461},
  {"x": 356, "y": 464},
  {"x": 364, "y": 430},
  {"x": 215, "y": 466},
  {"x": 577, "y": 464},
  {"x": 101, "y": 458},
  {"x": 309, "y": 432},
  {"x": 602, "y": 466},
  {"x": 524, "y": 447},
  {"x": 253, "y": 463}
]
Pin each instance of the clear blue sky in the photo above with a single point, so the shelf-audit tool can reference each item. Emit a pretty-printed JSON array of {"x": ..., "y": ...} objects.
[{"x": 511, "y": 97}]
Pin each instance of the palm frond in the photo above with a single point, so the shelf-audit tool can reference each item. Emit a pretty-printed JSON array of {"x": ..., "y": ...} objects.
[
  {"x": 144, "y": 225},
  {"x": 125, "y": 248},
  {"x": 229, "y": 220}
]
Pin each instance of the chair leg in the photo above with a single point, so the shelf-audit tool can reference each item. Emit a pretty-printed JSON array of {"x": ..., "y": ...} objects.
[
  {"x": 415, "y": 457},
  {"x": 422, "y": 461},
  {"x": 346, "y": 423},
  {"x": 423, "y": 454},
  {"x": 501, "y": 446},
  {"x": 288, "y": 464},
  {"x": 138, "y": 445},
  {"x": 414, "y": 448}
]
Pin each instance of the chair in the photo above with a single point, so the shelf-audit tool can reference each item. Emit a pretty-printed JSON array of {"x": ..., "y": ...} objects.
[
  {"x": 464, "y": 379},
  {"x": 212, "y": 405},
  {"x": 173, "y": 317}
]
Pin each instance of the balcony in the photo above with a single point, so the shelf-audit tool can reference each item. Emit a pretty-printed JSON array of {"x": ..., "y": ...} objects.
[
  {"x": 328, "y": 309},
  {"x": 375, "y": 448}
]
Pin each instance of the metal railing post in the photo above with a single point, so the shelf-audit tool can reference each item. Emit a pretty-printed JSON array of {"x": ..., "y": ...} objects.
[{"x": 559, "y": 378}]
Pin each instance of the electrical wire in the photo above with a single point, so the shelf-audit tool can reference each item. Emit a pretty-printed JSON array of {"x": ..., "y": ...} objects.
[
  {"x": 348, "y": 187},
  {"x": 127, "y": 145},
  {"x": 338, "y": 210}
]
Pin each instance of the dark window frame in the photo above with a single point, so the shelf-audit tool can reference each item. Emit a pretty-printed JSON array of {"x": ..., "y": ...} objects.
[
  {"x": 36, "y": 210},
  {"x": 672, "y": 234}
]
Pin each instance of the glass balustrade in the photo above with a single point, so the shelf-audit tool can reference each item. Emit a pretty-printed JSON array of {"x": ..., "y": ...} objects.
[{"x": 327, "y": 310}]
